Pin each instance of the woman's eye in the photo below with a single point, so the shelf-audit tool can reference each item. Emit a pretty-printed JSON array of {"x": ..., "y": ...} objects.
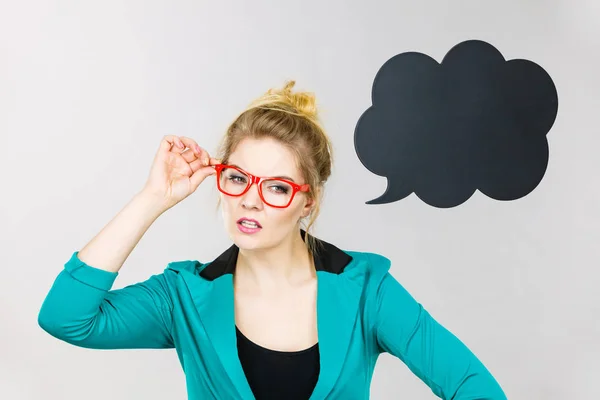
[
  {"x": 279, "y": 189},
  {"x": 237, "y": 179}
]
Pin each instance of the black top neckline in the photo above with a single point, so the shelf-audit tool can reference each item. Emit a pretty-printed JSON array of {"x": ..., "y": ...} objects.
[
  {"x": 271, "y": 351},
  {"x": 274, "y": 374}
]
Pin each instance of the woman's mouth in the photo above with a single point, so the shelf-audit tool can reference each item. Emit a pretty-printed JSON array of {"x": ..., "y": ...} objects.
[{"x": 246, "y": 225}]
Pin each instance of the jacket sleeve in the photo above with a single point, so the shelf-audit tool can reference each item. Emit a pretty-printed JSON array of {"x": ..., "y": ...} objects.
[
  {"x": 80, "y": 309},
  {"x": 406, "y": 330}
]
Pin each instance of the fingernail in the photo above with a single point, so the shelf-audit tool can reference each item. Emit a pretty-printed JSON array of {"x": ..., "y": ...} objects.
[
  {"x": 198, "y": 149},
  {"x": 205, "y": 161}
]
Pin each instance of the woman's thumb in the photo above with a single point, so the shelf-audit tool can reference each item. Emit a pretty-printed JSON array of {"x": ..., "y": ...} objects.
[{"x": 198, "y": 177}]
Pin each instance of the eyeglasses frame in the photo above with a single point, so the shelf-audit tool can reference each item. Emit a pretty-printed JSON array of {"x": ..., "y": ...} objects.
[{"x": 258, "y": 180}]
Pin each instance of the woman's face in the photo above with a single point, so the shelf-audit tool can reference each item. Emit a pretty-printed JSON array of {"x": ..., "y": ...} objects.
[{"x": 264, "y": 158}]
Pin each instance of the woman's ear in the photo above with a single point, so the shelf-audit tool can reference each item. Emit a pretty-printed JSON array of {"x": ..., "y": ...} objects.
[
  {"x": 310, "y": 204},
  {"x": 307, "y": 209}
]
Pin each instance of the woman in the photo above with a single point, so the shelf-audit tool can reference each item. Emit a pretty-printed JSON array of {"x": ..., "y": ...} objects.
[{"x": 280, "y": 314}]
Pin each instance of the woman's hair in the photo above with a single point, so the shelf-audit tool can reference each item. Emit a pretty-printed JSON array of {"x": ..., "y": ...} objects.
[{"x": 291, "y": 119}]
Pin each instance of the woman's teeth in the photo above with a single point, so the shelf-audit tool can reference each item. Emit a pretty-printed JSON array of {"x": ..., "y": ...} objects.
[{"x": 249, "y": 224}]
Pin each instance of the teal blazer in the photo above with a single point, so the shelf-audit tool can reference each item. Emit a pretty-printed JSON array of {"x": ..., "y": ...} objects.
[{"x": 362, "y": 311}]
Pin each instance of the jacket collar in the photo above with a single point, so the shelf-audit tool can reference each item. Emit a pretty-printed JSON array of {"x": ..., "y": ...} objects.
[
  {"x": 339, "y": 290},
  {"x": 328, "y": 258}
]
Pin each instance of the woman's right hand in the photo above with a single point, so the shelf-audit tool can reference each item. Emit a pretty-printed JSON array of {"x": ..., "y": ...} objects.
[{"x": 179, "y": 167}]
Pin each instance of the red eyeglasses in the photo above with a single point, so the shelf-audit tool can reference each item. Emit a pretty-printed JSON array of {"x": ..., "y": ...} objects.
[{"x": 275, "y": 192}]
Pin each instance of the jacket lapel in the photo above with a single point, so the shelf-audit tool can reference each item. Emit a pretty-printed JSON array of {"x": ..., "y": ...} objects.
[
  {"x": 214, "y": 303},
  {"x": 338, "y": 296}
]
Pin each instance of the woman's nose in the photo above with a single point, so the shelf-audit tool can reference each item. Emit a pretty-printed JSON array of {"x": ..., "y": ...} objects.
[{"x": 252, "y": 197}]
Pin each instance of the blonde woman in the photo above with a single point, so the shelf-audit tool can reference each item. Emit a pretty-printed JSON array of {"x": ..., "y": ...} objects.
[{"x": 280, "y": 314}]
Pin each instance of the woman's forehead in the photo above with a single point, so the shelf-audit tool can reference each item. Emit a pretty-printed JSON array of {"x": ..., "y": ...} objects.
[{"x": 263, "y": 157}]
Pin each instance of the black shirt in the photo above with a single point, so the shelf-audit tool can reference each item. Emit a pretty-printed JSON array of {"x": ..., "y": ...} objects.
[{"x": 276, "y": 374}]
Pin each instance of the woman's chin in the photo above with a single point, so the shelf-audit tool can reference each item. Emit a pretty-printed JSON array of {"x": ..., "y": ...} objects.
[{"x": 245, "y": 240}]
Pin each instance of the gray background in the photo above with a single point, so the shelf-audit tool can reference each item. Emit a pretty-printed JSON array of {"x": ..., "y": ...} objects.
[{"x": 88, "y": 90}]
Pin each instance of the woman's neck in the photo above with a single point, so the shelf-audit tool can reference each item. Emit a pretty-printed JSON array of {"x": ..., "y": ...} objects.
[{"x": 287, "y": 265}]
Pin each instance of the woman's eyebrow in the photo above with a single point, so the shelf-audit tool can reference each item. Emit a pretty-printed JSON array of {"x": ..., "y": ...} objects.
[
  {"x": 285, "y": 177},
  {"x": 280, "y": 176}
]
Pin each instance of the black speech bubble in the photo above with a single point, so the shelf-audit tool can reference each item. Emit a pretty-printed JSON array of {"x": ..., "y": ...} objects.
[{"x": 473, "y": 122}]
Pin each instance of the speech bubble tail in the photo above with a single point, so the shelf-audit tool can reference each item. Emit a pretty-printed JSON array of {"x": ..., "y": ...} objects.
[{"x": 395, "y": 191}]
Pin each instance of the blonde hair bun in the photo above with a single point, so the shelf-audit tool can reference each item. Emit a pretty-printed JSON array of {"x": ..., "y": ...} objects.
[{"x": 299, "y": 103}]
